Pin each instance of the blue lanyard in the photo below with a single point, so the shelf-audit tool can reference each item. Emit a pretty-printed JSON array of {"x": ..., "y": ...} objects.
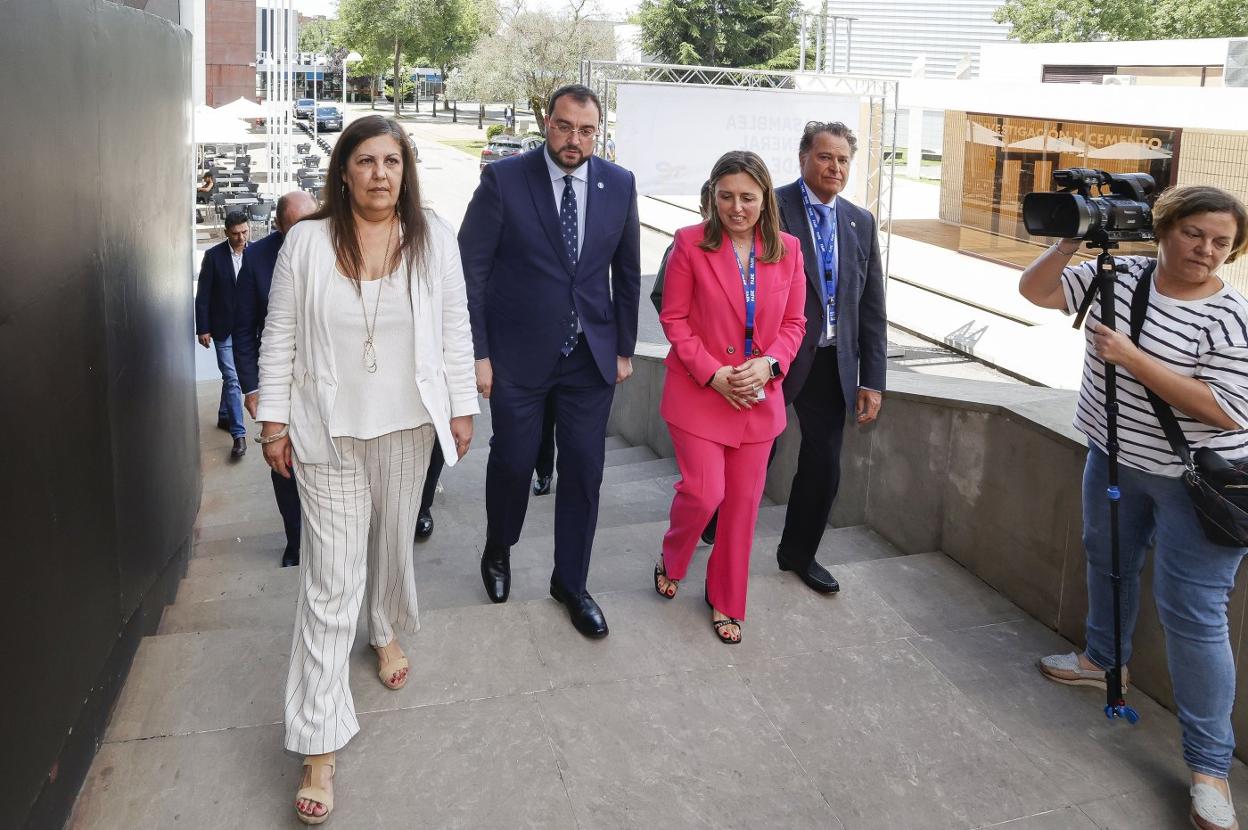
[
  {"x": 748, "y": 285},
  {"x": 827, "y": 248}
]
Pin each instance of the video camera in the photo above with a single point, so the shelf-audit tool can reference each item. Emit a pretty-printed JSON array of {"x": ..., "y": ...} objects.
[{"x": 1124, "y": 214}]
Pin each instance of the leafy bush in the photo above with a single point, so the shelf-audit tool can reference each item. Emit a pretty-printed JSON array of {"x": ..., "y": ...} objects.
[{"x": 493, "y": 130}]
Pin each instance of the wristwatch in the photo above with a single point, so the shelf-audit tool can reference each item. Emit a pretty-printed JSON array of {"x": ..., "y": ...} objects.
[{"x": 775, "y": 366}]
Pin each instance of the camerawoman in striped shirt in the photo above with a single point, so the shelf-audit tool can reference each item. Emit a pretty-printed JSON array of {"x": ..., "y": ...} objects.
[{"x": 1193, "y": 354}]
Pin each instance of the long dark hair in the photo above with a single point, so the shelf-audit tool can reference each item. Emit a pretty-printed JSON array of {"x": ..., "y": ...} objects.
[
  {"x": 743, "y": 161},
  {"x": 414, "y": 226}
]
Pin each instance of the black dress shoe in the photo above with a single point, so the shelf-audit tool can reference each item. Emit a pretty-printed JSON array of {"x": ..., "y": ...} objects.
[
  {"x": 496, "y": 571},
  {"x": 290, "y": 559},
  {"x": 541, "y": 485},
  {"x": 586, "y": 616},
  {"x": 424, "y": 525},
  {"x": 240, "y": 448},
  {"x": 223, "y": 423},
  {"x": 814, "y": 575},
  {"x": 708, "y": 533}
]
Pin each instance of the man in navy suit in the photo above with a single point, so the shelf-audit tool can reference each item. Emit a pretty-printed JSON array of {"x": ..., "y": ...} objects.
[
  {"x": 840, "y": 366},
  {"x": 551, "y": 248},
  {"x": 214, "y": 321},
  {"x": 252, "y": 305}
]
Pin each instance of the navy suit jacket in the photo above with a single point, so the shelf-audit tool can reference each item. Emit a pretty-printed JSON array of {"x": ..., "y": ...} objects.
[
  {"x": 251, "y": 300},
  {"x": 214, "y": 298},
  {"x": 861, "y": 322},
  {"x": 521, "y": 287}
]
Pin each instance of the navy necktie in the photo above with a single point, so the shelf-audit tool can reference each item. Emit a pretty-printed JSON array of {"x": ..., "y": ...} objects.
[{"x": 568, "y": 228}]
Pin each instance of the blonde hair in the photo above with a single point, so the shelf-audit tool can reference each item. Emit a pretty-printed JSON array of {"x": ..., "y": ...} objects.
[
  {"x": 743, "y": 161},
  {"x": 1183, "y": 201}
]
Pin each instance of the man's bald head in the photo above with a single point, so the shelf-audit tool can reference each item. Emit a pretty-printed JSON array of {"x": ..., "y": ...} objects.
[{"x": 292, "y": 207}]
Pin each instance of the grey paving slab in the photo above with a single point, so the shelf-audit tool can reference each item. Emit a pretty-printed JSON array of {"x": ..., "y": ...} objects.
[
  {"x": 891, "y": 743},
  {"x": 183, "y": 683},
  {"x": 255, "y": 612},
  {"x": 649, "y": 637},
  {"x": 1069, "y": 818},
  {"x": 481, "y": 764},
  {"x": 688, "y": 750},
  {"x": 1061, "y": 728},
  {"x": 279, "y": 582},
  {"x": 931, "y": 591}
]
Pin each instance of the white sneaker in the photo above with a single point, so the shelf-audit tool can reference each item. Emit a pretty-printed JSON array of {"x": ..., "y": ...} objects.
[
  {"x": 1065, "y": 668},
  {"x": 1211, "y": 810}
]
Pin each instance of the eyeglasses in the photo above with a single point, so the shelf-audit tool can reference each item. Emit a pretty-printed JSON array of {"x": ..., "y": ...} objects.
[{"x": 564, "y": 128}]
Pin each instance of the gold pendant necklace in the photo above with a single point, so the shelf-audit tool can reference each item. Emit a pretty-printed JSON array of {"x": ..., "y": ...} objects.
[{"x": 370, "y": 350}]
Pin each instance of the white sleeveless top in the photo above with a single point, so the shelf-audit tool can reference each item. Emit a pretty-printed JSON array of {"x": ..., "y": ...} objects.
[{"x": 369, "y": 404}]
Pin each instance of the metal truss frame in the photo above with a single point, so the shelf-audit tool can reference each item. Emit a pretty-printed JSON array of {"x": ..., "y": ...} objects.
[{"x": 879, "y": 96}]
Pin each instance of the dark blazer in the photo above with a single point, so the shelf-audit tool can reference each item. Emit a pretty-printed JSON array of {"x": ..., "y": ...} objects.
[
  {"x": 861, "y": 323},
  {"x": 520, "y": 285},
  {"x": 214, "y": 298},
  {"x": 251, "y": 305}
]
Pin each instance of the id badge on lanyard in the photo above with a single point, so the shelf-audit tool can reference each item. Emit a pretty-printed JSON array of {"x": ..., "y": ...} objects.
[
  {"x": 827, "y": 255},
  {"x": 749, "y": 284}
]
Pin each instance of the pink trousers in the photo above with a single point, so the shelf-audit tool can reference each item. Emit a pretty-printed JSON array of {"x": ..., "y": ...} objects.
[{"x": 716, "y": 476}]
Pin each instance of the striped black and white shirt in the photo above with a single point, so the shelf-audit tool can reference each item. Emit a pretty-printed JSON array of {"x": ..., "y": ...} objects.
[{"x": 1206, "y": 339}]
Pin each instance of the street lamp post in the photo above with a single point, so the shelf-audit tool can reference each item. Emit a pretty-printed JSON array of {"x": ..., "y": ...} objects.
[{"x": 352, "y": 57}]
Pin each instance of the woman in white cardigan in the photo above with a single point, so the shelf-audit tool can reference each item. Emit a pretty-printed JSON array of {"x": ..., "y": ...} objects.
[{"x": 366, "y": 360}]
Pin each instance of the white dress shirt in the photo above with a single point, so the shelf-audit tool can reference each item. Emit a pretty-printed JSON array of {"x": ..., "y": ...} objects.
[
  {"x": 237, "y": 257},
  {"x": 580, "y": 189}
]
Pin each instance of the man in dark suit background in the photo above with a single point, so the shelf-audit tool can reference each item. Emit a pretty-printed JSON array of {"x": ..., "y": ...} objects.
[
  {"x": 551, "y": 248},
  {"x": 251, "y": 306},
  {"x": 214, "y": 321},
  {"x": 841, "y": 364}
]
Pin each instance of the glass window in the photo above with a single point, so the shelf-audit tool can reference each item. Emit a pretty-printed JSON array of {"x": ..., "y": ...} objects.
[{"x": 1007, "y": 157}]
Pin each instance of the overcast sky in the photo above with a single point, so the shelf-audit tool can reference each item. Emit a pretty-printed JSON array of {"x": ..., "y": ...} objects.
[{"x": 613, "y": 8}]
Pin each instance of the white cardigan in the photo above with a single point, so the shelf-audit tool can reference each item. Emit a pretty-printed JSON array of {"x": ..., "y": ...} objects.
[{"x": 298, "y": 382}]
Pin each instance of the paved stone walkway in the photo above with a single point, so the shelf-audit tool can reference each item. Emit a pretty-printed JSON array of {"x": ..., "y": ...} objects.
[{"x": 909, "y": 702}]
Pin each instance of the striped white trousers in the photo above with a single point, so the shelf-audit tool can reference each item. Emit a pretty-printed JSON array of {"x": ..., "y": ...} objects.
[{"x": 358, "y": 524}]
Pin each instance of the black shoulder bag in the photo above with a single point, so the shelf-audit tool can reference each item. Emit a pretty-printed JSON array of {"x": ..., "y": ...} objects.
[{"x": 1218, "y": 488}]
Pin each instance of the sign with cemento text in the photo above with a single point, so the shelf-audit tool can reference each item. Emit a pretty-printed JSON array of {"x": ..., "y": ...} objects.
[{"x": 670, "y": 135}]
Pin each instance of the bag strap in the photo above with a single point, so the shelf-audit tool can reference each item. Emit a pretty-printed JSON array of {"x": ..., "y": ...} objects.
[{"x": 1163, "y": 411}]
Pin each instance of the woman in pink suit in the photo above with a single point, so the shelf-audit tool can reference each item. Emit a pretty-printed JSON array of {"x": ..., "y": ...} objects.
[{"x": 733, "y": 310}]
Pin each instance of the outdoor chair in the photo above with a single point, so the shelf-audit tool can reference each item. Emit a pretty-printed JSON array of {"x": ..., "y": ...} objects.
[
  {"x": 303, "y": 149},
  {"x": 261, "y": 213}
]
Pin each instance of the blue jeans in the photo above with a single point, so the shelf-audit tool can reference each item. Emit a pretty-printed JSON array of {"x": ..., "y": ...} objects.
[
  {"x": 1192, "y": 582},
  {"x": 231, "y": 408}
]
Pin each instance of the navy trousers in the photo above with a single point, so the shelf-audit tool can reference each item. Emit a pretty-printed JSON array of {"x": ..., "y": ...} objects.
[
  {"x": 286, "y": 491},
  {"x": 582, "y": 403}
]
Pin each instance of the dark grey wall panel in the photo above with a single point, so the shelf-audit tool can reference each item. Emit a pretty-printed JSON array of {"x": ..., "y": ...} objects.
[{"x": 99, "y": 475}]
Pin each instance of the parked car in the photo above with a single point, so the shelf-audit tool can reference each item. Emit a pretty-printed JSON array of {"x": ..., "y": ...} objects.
[
  {"x": 328, "y": 119},
  {"x": 530, "y": 142},
  {"x": 500, "y": 147},
  {"x": 304, "y": 108}
]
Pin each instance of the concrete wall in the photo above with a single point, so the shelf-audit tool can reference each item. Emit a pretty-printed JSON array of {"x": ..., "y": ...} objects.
[
  {"x": 989, "y": 474},
  {"x": 99, "y": 466}
]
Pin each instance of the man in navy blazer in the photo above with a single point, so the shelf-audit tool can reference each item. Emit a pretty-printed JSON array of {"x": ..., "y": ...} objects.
[
  {"x": 251, "y": 306},
  {"x": 551, "y": 248},
  {"x": 840, "y": 366},
  {"x": 214, "y": 321}
]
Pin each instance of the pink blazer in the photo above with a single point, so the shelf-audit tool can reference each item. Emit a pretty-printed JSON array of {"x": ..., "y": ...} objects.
[{"x": 704, "y": 319}]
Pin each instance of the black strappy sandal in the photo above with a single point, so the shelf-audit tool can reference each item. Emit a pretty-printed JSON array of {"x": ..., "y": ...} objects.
[
  {"x": 727, "y": 638},
  {"x": 718, "y": 625},
  {"x": 660, "y": 571}
]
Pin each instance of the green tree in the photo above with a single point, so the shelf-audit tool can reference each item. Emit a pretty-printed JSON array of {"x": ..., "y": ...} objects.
[
  {"x": 446, "y": 32},
  {"x": 744, "y": 33},
  {"x": 1068, "y": 21},
  {"x": 381, "y": 26},
  {"x": 533, "y": 55},
  {"x": 319, "y": 35}
]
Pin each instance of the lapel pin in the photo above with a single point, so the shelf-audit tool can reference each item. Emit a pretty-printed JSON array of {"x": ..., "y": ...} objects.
[
  {"x": 852, "y": 223},
  {"x": 600, "y": 185}
]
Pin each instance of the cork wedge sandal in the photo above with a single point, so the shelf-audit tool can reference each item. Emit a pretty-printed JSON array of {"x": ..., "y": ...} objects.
[{"x": 314, "y": 793}]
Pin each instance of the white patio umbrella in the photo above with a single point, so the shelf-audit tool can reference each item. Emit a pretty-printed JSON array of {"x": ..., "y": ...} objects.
[
  {"x": 215, "y": 127},
  {"x": 980, "y": 134},
  {"x": 1048, "y": 144},
  {"x": 1128, "y": 150},
  {"x": 242, "y": 108}
]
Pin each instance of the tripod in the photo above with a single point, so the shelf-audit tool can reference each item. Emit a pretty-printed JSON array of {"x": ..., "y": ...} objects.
[{"x": 1106, "y": 278}]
